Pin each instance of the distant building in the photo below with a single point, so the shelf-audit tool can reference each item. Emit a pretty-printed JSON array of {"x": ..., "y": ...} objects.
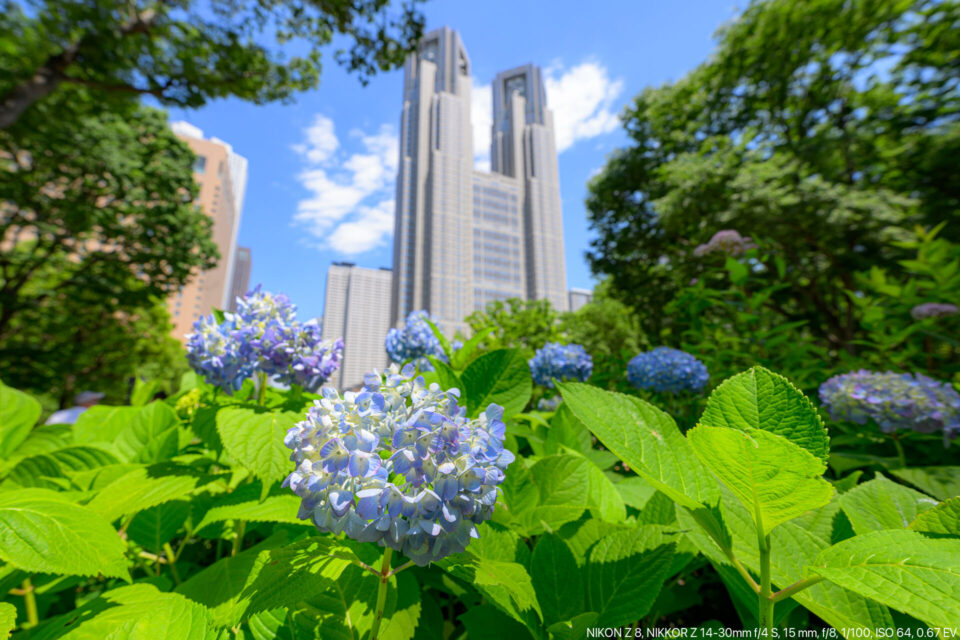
[
  {"x": 240, "y": 282},
  {"x": 357, "y": 308},
  {"x": 579, "y": 298},
  {"x": 463, "y": 238},
  {"x": 222, "y": 177}
]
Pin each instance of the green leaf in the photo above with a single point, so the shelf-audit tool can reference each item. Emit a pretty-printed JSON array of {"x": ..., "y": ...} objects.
[
  {"x": 444, "y": 343},
  {"x": 575, "y": 628},
  {"x": 136, "y": 611},
  {"x": 218, "y": 315},
  {"x": 486, "y": 621},
  {"x": 42, "y": 531},
  {"x": 566, "y": 431},
  {"x": 942, "y": 483},
  {"x": 256, "y": 440},
  {"x": 18, "y": 413},
  {"x": 101, "y": 423},
  {"x": 761, "y": 399},
  {"x": 774, "y": 478},
  {"x": 143, "y": 488},
  {"x": 507, "y": 585},
  {"x": 646, "y": 439},
  {"x": 501, "y": 377},
  {"x": 462, "y": 356},
  {"x": 883, "y": 504},
  {"x": 260, "y": 578},
  {"x": 447, "y": 377},
  {"x": 62, "y": 463},
  {"x": 151, "y": 436},
  {"x": 556, "y": 580},
  {"x": 43, "y": 439},
  {"x": 154, "y": 527},
  {"x": 943, "y": 519},
  {"x": 636, "y": 492},
  {"x": 143, "y": 392},
  {"x": 904, "y": 570},
  {"x": 244, "y": 504},
  {"x": 625, "y": 573},
  {"x": 8, "y": 619},
  {"x": 738, "y": 271}
]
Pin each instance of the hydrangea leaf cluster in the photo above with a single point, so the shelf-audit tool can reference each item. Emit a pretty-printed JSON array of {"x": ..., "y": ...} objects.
[
  {"x": 563, "y": 362},
  {"x": 933, "y": 310},
  {"x": 667, "y": 370},
  {"x": 726, "y": 242},
  {"x": 414, "y": 342},
  {"x": 398, "y": 464},
  {"x": 893, "y": 401},
  {"x": 262, "y": 336}
]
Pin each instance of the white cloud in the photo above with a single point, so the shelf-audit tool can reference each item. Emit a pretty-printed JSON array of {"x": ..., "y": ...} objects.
[
  {"x": 338, "y": 211},
  {"x": 481, "y": 117},
  {"x": 582, "y": 102}
]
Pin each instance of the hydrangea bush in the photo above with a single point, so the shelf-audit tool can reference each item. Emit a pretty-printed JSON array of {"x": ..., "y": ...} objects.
[
  {"x": 667, "y": 370},
  {"x": 563, "y": 362},
  {"x": 726, "y": 242},
  {"x": 414, "y": 342}
]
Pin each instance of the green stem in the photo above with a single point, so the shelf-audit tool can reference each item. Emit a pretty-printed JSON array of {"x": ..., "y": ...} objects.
[
  {"x": 381, "y": 592},
  {"x": 795, "y": 588},
  {"x": 262, "y": 390},
  {"x": 172, "y": 561},
  {"x": 238, "y": 539},
  {"x": 901, "y": 456},
  {"x": 764, "y": 600},
  {"x": 30, "y": 603}
]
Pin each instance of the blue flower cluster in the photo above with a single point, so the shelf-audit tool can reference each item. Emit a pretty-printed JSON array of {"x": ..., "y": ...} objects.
[
  {"x": 894, "y": 401},
  {"x": 399, "y": 464},
  {"x": 414, "y": 342},
  {"x": 563, "y": 362},
  {"x": 667, "y": 370},
  {"x": 263, "y": 335},
  {"x": 934, "y": 310}
]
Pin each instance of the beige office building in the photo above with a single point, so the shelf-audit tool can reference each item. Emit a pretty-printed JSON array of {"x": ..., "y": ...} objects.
[
  {"x": 357, "y": 308},
  {"x": 463, "y": 238},
  {"x": 222, "y": 177}
]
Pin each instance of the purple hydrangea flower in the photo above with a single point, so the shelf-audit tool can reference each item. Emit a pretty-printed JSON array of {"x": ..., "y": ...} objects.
[
  {"x": 893, "y": 400},
  {"x": 667, "y": 370},
  {"x": 933, "y": 310},
  {"x": 296, "y": 354},
  {"x": 414, "y": 342},
  {"x": 563, "y": 362},
  {"x": 217, "y": 352},
  {"x": 399, "y": 464},
  {"x": 727, "y": 242}
]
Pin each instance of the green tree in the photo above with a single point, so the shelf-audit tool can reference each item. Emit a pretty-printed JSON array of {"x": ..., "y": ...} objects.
[
  {"x": 823, "y": 129},
  {"x": 186, "y": 52},
  {"x": 527, "y": 324}
]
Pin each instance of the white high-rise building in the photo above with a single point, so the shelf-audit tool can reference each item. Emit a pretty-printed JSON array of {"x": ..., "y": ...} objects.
[
  {"x": 463, "y": 238},
  {"x": 356, "y": 309},
  {"x": 579, "y": 298}
]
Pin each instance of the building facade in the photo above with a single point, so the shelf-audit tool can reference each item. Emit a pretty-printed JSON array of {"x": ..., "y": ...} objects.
[
  {"x": 222, "y": 177},
  {"x": 356, "y": 309},
  {"x": 580, "y": 298},
  {"x": 240, "y": 281},
  {"x": 463, "y": 238}
]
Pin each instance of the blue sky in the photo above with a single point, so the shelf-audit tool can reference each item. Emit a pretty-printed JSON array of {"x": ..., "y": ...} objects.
[{"x": 322, "y": 168}]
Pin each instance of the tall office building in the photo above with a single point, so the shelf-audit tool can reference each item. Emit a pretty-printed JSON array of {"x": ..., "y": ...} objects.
[
  {"x": 222, "y": 177},
  {"x": 240, "y": 281},
  {"x": 579, "y": 298},
  {"x": 463, "y": 238},
  {"x": 355, "y": 308}
]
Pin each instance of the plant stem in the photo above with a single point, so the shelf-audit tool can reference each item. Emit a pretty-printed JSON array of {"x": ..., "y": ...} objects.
[
  {"x": 381, "y": 592},
  {"x": 262, "y": 388},
  {"x": 901, "y": 456},
  {"x": 238, "y": 538},
  {"x": 764, "y": 600},
  {"x": 172, "y": 561},
  {"x": 795, "y": 588},
  {"x": 30, "y": 603}
]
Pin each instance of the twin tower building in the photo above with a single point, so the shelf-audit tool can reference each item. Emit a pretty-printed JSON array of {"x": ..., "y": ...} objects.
[{"x": 462, "y": 237}]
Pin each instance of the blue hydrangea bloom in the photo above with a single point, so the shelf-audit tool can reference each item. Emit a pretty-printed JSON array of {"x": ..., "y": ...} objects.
[
  {"x": 217, "y": 352},
  {"x": 296, "y": 354},
  {"x": 258, "y": 308},
  {"x": 414, "y": 342},
  {"x": 894, "y": 401},
  {"x": 398, "y": 464},
  {"x": 667, "y": 370},
  {"x": 563, "y": 362}
]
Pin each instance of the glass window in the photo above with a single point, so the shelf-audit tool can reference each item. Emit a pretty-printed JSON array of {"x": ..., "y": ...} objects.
[{"x": 200, "y": 164}]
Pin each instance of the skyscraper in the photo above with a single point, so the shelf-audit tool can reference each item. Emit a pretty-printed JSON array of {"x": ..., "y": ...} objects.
[
  {"x": 355, "y": 308},
  {"x": 462, "y": 237},
  {"x": 240, "y": 281},
  {"x": 222, "y": 177}
]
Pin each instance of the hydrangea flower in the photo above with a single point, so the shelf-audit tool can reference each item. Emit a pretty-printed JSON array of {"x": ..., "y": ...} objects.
[
  {"x": 563, "y": 362},
  {"x": 728, "y": 242},
  {"x": 296, "y": 354},
  {"x": 933, "y": 310},
  {"x": 219, "y": 352},
  {"x": 667, "y": 370},
  {"x": 893, "y": 400},
  {"x": 399, "y": 464},
  {"x": 414, "y": 342},
  {"x": 258, "y": 308}
]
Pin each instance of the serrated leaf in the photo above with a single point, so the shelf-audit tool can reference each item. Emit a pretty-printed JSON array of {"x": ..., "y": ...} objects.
[
  {"x": 575, "y": 628},
  {"x": 507, "y": 585},
  {"x": 904, "y": 570},
  {"x": 8, "y": 619},
  {"x": 556, "y": 580},
  {"x": 143, "y": 392},
  {"x": 942, "y": 519},
  {"x": 761, "y": 399},
  {"x": 18, "y": 413},
  {"x": 41, "y": 531},
  {"x": 462, "y": 356},
  {"x": 151, "y": 436},
  {"x": 101, "y": 423},
  {"x": 245, "y": 504},
  {"x": 882, "y": 504},
  {"x": 43, "y": 439},
  {"x": 136, "y": 611},
  {"x": 646, "y": 439},
  {"x": 776, "y": 479},
  {"x": 942, "y": 483},
  {"x": 500, "y": 377},
  {"x": 256, "y": 440},
  {"x": 625, "y": 573},
  {"x": 264, "y": 578},
  {"x": 143, "y": 488},
  {"x": 156, "y": 526},
  {"x": 62, "y": 463},
  {"x": 636, "y": 492}
]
